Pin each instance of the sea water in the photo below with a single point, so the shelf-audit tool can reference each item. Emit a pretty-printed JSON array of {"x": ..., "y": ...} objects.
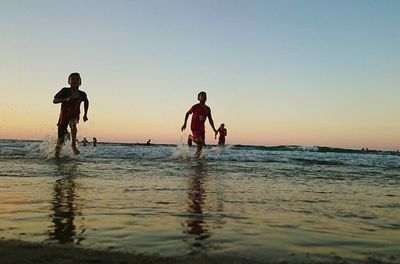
[{"x": 260, "y": 203}]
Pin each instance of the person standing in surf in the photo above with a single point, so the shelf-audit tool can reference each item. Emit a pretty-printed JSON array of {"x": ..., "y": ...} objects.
[
  {"x": 70, "y": 99},
  {"x": 222, "y": 134},
  {"x": 200, "y": 113}
]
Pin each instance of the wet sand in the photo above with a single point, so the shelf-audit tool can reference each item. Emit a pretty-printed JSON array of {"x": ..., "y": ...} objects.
[
  {"x": 15, "y": 251},
  {"x": 21, "y": 252}
]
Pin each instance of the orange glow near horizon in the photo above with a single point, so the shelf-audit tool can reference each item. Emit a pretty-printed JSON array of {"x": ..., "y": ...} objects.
[
  {"x": 28, "y": 128},
  {"x": 31, "y": 123}
]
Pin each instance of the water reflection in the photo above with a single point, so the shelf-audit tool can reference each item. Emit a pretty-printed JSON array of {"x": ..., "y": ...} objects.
[
  {"x": 195, "y": 224},
  {"x": 64, "y": 206}
]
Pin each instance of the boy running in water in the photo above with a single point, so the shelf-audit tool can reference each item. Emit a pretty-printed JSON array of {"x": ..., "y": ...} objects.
[
  {"x": 222, "y": 134},
  {"x": 70, "y": 99},
  {"x": 200, "y": 113}
]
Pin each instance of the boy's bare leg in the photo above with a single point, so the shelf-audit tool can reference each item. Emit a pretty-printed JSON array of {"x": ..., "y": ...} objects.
[
  {"x": 198, "y": 151},
  {"x": 57, "y": 149},
  {"x": 200, "y": 144},
  {"x": 74, "y": 131}
]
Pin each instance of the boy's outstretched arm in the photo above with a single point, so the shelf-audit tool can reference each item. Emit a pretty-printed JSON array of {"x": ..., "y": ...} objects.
[
  {"x": 60, "y": 100},
  {"x": 86, "y": 108},
  {"x": 186, "y": 118},
  {"x": 211, "y": 121},
  {"x": 61, "y": 97}
]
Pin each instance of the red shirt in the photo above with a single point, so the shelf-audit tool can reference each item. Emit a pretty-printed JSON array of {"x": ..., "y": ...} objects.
[{"x": 200, "y": 114}]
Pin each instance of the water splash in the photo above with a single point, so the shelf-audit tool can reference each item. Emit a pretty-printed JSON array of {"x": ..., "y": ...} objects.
[
  {"x": 46, "y": 148},
  {"x": 182, "y": 150}
]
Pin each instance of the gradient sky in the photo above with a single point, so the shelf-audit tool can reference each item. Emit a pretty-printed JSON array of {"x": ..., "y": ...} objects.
[{"x": 276, "y": 72}]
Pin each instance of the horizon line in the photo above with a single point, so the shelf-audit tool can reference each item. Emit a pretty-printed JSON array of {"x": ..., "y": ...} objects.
[{"x": 238, "y": 144}]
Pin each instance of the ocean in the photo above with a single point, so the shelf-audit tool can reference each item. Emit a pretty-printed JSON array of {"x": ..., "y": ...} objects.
[{"x": 277, "y": 204}]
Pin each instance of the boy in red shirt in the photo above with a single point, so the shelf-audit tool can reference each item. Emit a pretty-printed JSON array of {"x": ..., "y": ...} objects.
[
  {"x": 222, "y": 134},
  {"x": 200, "y": 113},
  {"x": 70, "y": 99}
]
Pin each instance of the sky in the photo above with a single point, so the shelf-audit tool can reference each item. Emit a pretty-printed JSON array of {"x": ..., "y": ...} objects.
[{"x": 301, "y": 72}]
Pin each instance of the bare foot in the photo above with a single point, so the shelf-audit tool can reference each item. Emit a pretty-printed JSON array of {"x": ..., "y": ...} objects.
[
  {"x": 75, "y": 150},
  {"x": 57, "y": 152},
  {"x": 197, "y": 154}
]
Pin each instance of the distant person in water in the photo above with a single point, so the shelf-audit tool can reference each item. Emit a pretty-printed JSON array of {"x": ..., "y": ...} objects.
[
  {"x": 222, "y": 134},
  {"x": 200, "y": 113},
  {"x": 148, "y": 142},
  {"x": 85, "y": 142},
  {"x": 70, "y": 99},
  {"x": 94, "y": 142}
]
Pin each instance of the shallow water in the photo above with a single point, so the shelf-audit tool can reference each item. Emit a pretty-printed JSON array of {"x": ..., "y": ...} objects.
[{"x": 252, "y": 202}]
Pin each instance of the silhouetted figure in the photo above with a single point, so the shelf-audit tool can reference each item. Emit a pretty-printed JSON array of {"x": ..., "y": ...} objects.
[
  {"x": 85, "y": 142},
  {"x": 70, "y": 99},
  {"x": 148, "y": 142},
  {"x": 200, "y": 113},
  {"x": 222, "y": 134},
  {"x": 94, "y": 142}
]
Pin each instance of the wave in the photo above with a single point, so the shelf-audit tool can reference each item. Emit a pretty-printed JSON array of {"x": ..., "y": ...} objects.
[
  {"x": 313, "y": 149},
  {"x": 14, "y": 142},
  {"x": 231, "y": 153}
]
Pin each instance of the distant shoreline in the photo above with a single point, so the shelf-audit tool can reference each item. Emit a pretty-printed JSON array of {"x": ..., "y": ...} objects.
[{"x": 271, "y": 148}]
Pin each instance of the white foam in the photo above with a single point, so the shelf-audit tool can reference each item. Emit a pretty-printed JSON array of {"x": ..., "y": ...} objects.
[
  {"x": 309, "y": 148},
  {"x": 182, "y": 151},
  {"x": 47, "y": 148}
]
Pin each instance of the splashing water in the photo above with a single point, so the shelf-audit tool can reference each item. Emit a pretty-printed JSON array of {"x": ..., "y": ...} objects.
[
  {"x": 46, "y": 148},
  {"x": 182, "y": 150}
]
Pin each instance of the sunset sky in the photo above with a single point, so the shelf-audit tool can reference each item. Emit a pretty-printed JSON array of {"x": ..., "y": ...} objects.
[{"x": 279, "y": 72}]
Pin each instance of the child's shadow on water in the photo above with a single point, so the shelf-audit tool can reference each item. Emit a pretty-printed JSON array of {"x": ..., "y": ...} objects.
[
  {"x": 195, "y": 224},
  {"x": 64, "y": 204}
]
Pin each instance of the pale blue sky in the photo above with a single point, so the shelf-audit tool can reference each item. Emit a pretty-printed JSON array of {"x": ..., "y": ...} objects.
[{"x": 276, "y": 72}]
